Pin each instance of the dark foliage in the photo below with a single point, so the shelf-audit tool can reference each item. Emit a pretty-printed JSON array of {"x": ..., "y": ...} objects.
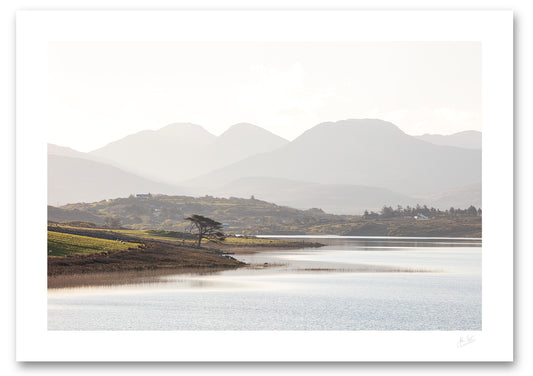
[
  {"x": 206, "y": 228},
  {"x": 389, "y": 212}
]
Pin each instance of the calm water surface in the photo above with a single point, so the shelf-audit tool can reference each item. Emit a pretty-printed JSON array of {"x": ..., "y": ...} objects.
[{"x": 351, "y": 284}]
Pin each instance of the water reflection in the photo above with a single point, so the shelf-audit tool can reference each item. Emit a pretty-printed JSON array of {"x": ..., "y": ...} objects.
[
  {"x": 376, "y": 243},
  {"x": 350, "y": 284}
]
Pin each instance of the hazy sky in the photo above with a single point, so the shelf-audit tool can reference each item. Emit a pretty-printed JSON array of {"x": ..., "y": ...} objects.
[{"x": 100, "y": 92}]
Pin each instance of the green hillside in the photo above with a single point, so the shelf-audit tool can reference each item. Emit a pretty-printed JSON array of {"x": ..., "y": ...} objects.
[
  {"x": 255, "y": 217},
  {"x": 248, "y": 216}
]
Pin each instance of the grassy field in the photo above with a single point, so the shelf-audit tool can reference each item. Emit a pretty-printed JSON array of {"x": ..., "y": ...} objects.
[
  {"x": 189, "y": 240},
  {"x": 179, "y": 238},
  {"x": 60, "y": 244}
]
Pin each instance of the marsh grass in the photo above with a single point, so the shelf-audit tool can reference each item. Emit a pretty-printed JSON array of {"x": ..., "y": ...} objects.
[
  {"x": 369, "y": 269},
  {"x": 390, "y": 269},
  {"x": 265, "y": 266}
]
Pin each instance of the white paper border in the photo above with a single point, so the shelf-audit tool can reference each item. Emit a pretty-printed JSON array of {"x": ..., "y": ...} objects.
[{"x": 35, "y": 29}]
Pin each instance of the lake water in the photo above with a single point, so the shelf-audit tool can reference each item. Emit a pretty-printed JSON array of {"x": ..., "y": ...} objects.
[{"x": 351, "y": 284}]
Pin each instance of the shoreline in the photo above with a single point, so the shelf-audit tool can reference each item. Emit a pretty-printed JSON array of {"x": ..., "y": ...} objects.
[
  {"x": 371, "y": 237},
  {"x": 153, "y": 259},
  {"x": 148, "y": 264}
]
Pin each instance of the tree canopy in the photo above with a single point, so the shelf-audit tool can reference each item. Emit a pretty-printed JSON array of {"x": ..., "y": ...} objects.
[
  {"x": 206, "y": 228},
  {"x": 112, "y": 222}
]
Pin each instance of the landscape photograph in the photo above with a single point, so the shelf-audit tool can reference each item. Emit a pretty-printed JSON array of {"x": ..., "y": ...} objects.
[{"x": 264, "y": 186}]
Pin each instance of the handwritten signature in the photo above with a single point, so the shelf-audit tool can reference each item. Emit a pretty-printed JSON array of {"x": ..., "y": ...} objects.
[{"x": 463, "y": 341}]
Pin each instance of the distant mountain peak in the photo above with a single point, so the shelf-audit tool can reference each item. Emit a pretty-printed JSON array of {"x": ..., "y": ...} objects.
[
  {"x": 241, "y": 128},
  {"x": 361, "y": 124},
  {"x": 369, "y": 123},
  {"x": 243, "y": 125},
  {"x": 69, "y": 152},
  {"x": 173, "y": 126},
  {"x": 60, "y": 150},
  {"x": 184, "y": 128},
  {"x": 343, "y": 130}
]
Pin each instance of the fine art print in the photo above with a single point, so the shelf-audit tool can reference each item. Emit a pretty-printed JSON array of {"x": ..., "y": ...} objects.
[{"x": 273, "y": 184}]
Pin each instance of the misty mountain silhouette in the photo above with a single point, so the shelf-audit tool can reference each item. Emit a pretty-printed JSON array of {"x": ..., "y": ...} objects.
[
  {"x": 161, "y": 154},
  {"x": 332, "y": 198},
  {"x": 72, "y": 180},
  {"x": 181, "y": 151},
  {"x": 465, "y": 139},
  {"x": 364, "y": 152},
  {"x": 239, "y": 142},
  {"x": 460, "y": 197},
  {"x": 342, "y": 167}
]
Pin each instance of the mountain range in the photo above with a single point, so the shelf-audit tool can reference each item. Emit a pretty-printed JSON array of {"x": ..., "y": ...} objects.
[
  {"x": 359, "y": 152},
  {"x": 342, "y": 167},
  {"x": 182, "y": 151}
]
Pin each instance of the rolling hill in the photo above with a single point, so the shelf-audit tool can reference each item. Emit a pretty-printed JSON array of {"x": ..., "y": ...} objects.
[{"x": 253, "y": 216}]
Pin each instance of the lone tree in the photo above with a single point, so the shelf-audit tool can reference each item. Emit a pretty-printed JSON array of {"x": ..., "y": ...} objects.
[
  {"x": 112, "y": 222},
  {"x": 206, "y": 228}
]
